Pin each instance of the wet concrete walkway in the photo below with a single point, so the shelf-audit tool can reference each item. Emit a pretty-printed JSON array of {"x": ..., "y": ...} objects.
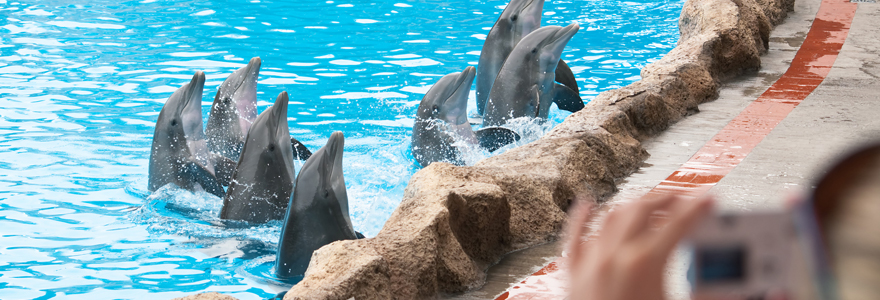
[{"x": 841, "y": 113}]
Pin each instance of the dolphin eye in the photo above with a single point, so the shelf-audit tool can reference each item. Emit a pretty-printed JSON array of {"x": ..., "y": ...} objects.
[
  {"x": 174, "y": 122},
  {"x": 271, "y": 147},
  {"x": 435, "y": 108},
  {"x": 535, "y": 50},
  {"x": 514, "y": 17},
  {"x": 326, "y": 194}
]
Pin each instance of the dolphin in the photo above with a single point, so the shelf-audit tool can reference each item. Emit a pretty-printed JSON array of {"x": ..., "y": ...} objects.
[
  {"x": 442, "y": 126},
  {"x": 318, "y": 211},
  {"x": 234, "y": 110},
  {"x": 517, "y": 20},
  {"x": 263, "y": 179},
  {"x": 525, "y": 86},
  {"x": 179, "y": 153}
]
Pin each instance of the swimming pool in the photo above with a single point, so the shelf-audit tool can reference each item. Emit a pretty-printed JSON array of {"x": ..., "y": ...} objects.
[{"x": 81, "y": 86}]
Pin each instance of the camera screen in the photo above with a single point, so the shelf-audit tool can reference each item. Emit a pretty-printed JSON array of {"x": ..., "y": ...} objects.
[{"x": 717, "y": 265}]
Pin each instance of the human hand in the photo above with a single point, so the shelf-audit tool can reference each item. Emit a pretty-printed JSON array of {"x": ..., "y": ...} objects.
[{"x": 628, "y": 258}]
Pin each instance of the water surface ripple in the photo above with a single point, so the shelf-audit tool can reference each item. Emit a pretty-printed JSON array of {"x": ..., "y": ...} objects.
[{"x": 82, "y": 82}]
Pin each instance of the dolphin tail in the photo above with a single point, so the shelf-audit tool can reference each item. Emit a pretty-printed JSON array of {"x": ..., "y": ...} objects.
[
  {"x": 492, "y": 138},
  {"x": 204, "y": 177},
  {"x": 566, "y": 77},
  {"x": 567, "y": 99},
  {"x": 300, "y": 151},
  {"x": 224, "y": 168}
]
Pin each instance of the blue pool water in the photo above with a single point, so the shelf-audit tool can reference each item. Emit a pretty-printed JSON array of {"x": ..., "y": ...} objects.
[{"x": 82, "y": 82}]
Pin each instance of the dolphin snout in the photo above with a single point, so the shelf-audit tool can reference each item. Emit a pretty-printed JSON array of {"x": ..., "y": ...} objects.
[
  {"x": 279, "y": 108},
  {"x": 567, "y": 32},
  {"x": 334, "y": 148},
  {"x": 557, "y": 42},
  {"x": 193, "y": 91},
  {"x": 336, "y": 142},
  {"x": 254, "y": 66},
  {"x": 466, "y": 78},
  {"x": 469, "y": 72},
  {"x": 197, "y": 84},
  {"x": 455, "y": 105}
]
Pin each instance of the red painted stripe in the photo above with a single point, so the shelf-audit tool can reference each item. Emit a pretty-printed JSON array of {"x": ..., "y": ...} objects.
[
  {"x": 544, "y": 284},
  {"x": 734, "y": 142}
]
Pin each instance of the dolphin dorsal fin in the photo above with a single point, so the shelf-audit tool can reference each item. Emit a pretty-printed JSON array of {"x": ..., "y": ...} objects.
[
  {"x": 566, "y": 77},
  {"x": 200, "y": 174},
  {"x": 224, "y": 168},
  {"x": 493, "y": 138},
  {"x": 566, "y": 98},
  {"x": 300, "y": 151}
]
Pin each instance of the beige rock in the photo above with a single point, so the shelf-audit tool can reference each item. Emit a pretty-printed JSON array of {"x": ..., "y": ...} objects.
[
  {"x": 454, "y": 222},
  {"x": 727, "y": 36},
  {"x": 776, "y": 10},
  {"x": 348, "y": 269}
]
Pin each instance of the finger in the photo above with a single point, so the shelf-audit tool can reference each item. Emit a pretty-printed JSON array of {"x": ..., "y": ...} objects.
[
  {"x": 648, "y": 208},
  {"x": 634, "y": 218},
  {"x": 609, "y": 228},
  {"x": 580, "y": 212},
  {"x": 683, "y": 217}
]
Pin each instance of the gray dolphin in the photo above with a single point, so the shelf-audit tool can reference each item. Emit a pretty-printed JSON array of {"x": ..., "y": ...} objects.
[
  {"x": 525, "y": 86},
  {"x": 318, "y": 211},
  {"x": 179, "y": 153},
  {"x": 263, "y": 179},
  {"x": 441, "y": 125},
  {"x": 518, "y": 19},
  {"x": 232, "y": 114},
  {"x": 233, "y": 111}
]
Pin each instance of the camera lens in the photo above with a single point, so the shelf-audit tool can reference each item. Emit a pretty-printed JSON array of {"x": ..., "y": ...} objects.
[{"x": 716, "y": 265}]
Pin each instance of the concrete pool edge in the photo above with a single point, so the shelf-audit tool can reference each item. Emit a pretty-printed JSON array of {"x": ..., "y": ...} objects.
[{"x": 455, "y": 222}]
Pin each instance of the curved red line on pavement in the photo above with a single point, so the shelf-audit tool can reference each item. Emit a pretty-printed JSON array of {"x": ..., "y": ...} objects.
[{"x": 734, "y": 142}]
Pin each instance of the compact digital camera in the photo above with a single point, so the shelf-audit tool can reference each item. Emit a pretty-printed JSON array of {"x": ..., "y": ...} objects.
[{"x": 743, "y": 255}]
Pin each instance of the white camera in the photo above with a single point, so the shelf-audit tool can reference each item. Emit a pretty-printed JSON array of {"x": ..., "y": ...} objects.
[{"x": 742, "y": 255}]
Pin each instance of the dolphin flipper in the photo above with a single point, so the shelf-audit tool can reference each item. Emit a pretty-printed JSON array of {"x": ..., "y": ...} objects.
[
  {"x": 567, "y": 99},
  {"x": 204, "y": 177},
  {"x": 492, "y": 138},
  {"x": 300, "y": 151},
  {"x": 566, "y": 77},
  {"x": 224, "y": 168}
]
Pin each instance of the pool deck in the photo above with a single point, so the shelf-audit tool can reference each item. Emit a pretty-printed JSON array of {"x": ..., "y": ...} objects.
[{"x": 810, "y": 133}]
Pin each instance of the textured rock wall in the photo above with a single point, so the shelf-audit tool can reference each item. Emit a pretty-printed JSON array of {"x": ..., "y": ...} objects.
[{"x": 454, "y": 222}]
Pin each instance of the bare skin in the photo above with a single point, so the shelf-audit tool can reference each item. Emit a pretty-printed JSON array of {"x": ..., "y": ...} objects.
[{"x": 628, "y": 258}]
